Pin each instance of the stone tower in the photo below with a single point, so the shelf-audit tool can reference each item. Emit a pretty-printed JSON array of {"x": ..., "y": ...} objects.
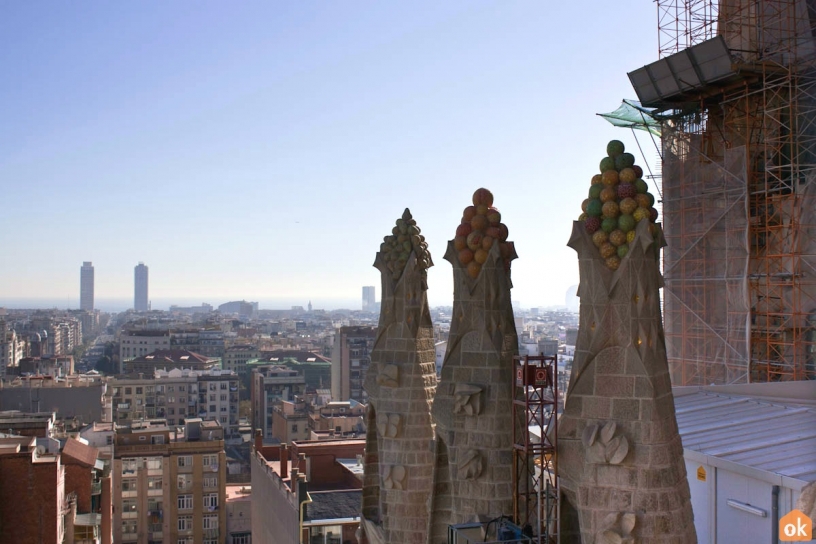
[
  {"x": 620, "y": 455},
  {"x": 473, "y": 405},
  {"x": 400, "y": 383}
]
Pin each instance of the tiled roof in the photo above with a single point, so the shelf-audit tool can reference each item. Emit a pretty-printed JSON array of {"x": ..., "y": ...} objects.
[
  {"x": 76, "y": 451},
  {"x": 179, "y": 356}
]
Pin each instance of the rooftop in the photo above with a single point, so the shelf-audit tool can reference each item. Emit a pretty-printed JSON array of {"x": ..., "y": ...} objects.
[
  {"x": 767, "y": 431},
  {"x": 333, "y": 505}
]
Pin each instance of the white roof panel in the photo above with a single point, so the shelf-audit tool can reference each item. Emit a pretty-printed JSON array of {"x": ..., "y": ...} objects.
[{"x": 754, "y": 426}]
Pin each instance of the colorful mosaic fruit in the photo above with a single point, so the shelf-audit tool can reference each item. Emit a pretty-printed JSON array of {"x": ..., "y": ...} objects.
[
  {"x": 618, "y": 200},
  {"x": 481, "y": 227},
  {"x": 405, "y": 237}
]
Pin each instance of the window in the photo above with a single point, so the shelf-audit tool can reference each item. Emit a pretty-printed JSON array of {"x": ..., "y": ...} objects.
[
  {"x": 129, "y": 527},
  {"x": 210, "y": 482},
  {"x": 223, "y": 398},
  {"x": 182, "y": 400},
  {"x": 185, "y": 541},
  {"x": 154, "y": 483},
  {"x": 157, "y": 439},
  {"x": 185, "y": 482},
  {"x": 182, "y": 388},
  {"x": 128, "y": 391},
  {"x": 212, "y": 407},
  {"x": 185, "y": 523},
  {"x": 129, "y": 466},
  {"x": 185, "y": 502},
  {"x": 223, "y": 408},
  {"x": 171, "y": 400},
  {"x": 210, "y": 541},
  {"x": 223, "y": 419},
  {"x": 171, "y": 421},
  {"x": 171, "y": 389},
  {"x": 185, "y": 460},
  {"x": 171, "y": 411},
  {"x": 243, "y": 538},
  {"x": 154, "y": 463},
  {"x": 129, "y": 484},
  {"x": 138, "y": 390},
  {"x": 210, "y": 521},
  {"x": 129, "y": 508},
  {"x": 211, "y": 501},
  {"x": 224, "y": 386},
  {"x": 294, "y": 428},
  {"x": 212, "y": 398},
  {"x": 210, "y": 460},
  {"x": 212, "y": 387}
]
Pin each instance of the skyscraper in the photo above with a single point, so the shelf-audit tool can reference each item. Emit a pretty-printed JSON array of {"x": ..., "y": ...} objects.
[
  {"x": 86, "y": 286},
  {"x": 140, "y": 303},
  {"x": 369, "y": 304}
]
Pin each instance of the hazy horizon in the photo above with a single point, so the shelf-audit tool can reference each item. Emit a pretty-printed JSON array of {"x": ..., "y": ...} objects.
[{"x": 267, "y": 147}]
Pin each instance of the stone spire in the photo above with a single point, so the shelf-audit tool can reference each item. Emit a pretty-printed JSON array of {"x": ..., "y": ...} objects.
[
  {"x": 620, "y": 455},
  {"x": 400, "y": 383}
]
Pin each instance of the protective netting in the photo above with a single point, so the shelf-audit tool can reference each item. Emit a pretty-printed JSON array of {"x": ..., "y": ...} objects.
[{"x": 631, "y": 114}]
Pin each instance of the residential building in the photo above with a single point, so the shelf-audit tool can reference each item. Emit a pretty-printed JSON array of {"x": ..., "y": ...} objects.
[
  {"x": 236, "y": 357},
  {"x": 290, "y": 421},
  {"x": 136, "y": 343},
  {"x": 50, "y": 496},
  {"x": 86, "y": 287},
  {"x": 170, "y": 483},
  {"x": 317, "y": 483},
  {"x": 140, "y": 299},
  {"x": 239, "y": 514},
  {"x": 270, "y": 386},
  {"x": 351, "y": 356},
  {"x": 369, "y": 298},
  {"x": 164, "y": 359},
  {"x": 314, "y": 367},
  {"x": 12, "y": 348},
  {"x": 75, "y": 396},
  {"x": 338, "y": 419},
  {"x": 177, "y": 395}
]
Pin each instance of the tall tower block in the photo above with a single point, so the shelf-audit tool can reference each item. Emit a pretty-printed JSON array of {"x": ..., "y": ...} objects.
[
  {"x": 86, "y": 286},
  {"x": 140, "y": 299}
]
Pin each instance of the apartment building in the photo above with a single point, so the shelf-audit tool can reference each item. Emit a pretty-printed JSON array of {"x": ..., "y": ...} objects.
[
  {"x": 176, "y": 395},
  {"x": 170, "y": 483},
  {"x": 50, "y": 496},
  {"x": 12, "y": 348},
  {"x": 270, "y": 385},
  {"x": 351, "y": 357},
  {"x": 165, "y": 359},
  {"x": 137, "y": 343},
  {"x": 236, "y": 357}
]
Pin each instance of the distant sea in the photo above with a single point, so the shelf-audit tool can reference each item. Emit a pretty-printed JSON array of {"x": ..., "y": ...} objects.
[{"x": 121, "y": 304}]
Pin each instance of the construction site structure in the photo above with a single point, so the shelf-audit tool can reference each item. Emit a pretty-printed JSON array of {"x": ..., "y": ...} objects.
[
  {"x": 535, "y": 436},
  {"x": 739, "y": 188}
]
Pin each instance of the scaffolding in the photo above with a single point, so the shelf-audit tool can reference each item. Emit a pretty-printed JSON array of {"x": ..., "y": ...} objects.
[
  {"x": 535, "y": 435},
  {"x": 739, "y": 196}
]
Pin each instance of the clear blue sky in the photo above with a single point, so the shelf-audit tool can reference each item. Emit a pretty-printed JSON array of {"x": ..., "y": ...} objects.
[{"x": 252, "y": 150}]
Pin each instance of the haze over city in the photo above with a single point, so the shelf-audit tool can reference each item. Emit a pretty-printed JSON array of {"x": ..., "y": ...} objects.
[{"x": 261, "y": 151}]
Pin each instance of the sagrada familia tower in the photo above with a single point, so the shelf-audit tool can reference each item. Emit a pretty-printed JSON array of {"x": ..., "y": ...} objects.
[{"x": 441, "y": 454}]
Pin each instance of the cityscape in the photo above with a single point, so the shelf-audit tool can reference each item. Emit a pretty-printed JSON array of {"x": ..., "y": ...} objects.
[{"x": 382, "y": 274}]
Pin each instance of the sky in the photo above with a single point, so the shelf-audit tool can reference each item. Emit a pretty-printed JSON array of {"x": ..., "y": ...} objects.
[{"x": 261, "y": 150}]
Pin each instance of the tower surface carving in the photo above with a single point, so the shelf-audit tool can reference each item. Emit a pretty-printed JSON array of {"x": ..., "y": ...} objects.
[
  {"x": 473, "y": 405},
  {"x": 619, "y": 451},
  {"x": 400, "y": 383}
]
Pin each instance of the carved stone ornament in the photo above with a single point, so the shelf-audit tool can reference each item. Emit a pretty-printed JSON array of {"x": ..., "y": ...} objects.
[
  {"x": 467, "y": 399},
  {"x": 388, "y": 375},
  {"x": 603, "y": 446},
  {"x": 394, "y": 477},
  {"x": 472, "y": 465},
  {"x": 389, "y": 425},
  {"x": 618, "y": 528}
]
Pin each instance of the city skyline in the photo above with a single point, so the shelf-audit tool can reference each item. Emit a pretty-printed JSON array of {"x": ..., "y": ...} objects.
[{"x": 306, "y": 132}]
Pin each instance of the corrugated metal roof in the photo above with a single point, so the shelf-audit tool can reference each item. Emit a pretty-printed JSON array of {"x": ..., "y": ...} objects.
[{"x": 774, "y": 436}]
